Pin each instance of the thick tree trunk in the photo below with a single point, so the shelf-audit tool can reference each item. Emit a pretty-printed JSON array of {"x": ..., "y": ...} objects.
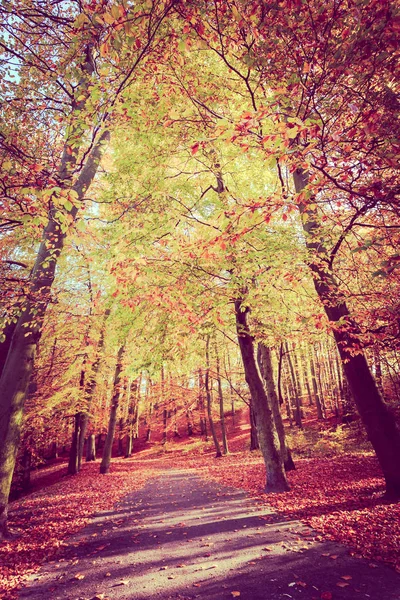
[
  {"x": 91, "y": 448},
  {"x": 265, "y": 365},
  {"x": 380, "y": 424},
  {"x": 7, "y": 333},
  {"x": 266, "y": 430},
  {"x": 105, "y": 462},
  {"x": 209, "y": 401},
  {"x": 129, "y": 445}
]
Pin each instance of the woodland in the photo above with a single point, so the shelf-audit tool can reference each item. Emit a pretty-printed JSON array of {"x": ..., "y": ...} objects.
[{"x": 199, "y": 254}]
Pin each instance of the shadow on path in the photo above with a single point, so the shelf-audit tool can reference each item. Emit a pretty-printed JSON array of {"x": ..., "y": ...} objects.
[{"x": 183, "y": 537}]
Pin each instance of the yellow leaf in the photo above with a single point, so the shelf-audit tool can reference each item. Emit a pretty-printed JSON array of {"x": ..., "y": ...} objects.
[
  {"x": 108, "y": 18},
  {"x": 235, "y": 594},
  {"x": 79, "y": 576}
]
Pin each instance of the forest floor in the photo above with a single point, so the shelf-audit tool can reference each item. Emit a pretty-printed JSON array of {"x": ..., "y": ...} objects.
[
  {"x": 338, "y": 499},
  {"x": 185, "y": 537}
]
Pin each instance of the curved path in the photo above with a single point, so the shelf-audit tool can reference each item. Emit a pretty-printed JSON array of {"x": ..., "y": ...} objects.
[{"x": 183, "y": 537}]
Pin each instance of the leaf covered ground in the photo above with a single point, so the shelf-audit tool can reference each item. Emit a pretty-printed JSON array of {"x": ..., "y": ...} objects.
[
  {"x": 339, "y": 497},
  {"x": 45, "y": 518}
]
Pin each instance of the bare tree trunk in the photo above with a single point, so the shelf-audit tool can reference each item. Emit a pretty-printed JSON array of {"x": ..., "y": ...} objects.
[
  {"x": 265, "y": 366},
  {"x": 221, "y": 403},
  {"x": 74, "y": 452},
  {"x": 105, "y": 463},
  {"x": 266, "y": 430},
  {"x": 320, "y": 411},
  {"x": 209, "y": 400},
  {"x": 296, "y": 392},
  {"x": 203, "y": 420},
  {"x": 91, "y": 448}
]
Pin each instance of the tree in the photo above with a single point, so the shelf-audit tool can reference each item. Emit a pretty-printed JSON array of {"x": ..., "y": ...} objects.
[{"x": 88, "y": 104}]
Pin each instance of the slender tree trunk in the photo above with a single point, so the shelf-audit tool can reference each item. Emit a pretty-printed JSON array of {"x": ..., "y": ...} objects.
[
  {"x": 380, "y": 424},
  {"x": 74, "y": 452},
  {"x": 231, "y": 394},
  {"x": 221, "y": 403},
  {"x": 297, "y": 412},
  {"x": 266, "y": 430},
  {"x": 203, "y": 420},
  {"x": 320, "y": 411},
  {"x": 105, "y": 463},
  {"x": 265, "y": 366},
  {"x": 209, "y": 400},
  {"x": 304, "y": 364},
  {"x": 90, "y": 387}
]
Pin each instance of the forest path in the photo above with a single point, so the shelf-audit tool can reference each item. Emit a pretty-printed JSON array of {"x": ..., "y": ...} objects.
[{"x": 183, "y": 537}]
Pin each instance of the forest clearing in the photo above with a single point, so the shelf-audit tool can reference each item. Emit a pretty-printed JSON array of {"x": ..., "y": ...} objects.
[{"x": 199, "y": 266}]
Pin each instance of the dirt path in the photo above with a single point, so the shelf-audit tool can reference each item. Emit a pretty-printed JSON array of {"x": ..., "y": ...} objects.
[{"x": 183, "y": 537}]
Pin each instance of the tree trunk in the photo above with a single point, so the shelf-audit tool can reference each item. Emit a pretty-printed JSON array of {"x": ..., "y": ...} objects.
[
  {"x": 254, "y": 445},
  {"x": 105, "y": 463},
  {"x": 18, "y": 368},
  {"x": 89, "y": 387},
  {"x": 380, "y": 424},
  {"x": 209, "y": 401},
  {"x": 320, "y": 412},
  {"x": 74, "y": 452},
  {"x": 265, "y": 365},
  {"x": 266, "y": 430},
  {"x": 91, "y": 448},
  {"x": 203, "y": 420},
  {"x": 295, "y": 388},
  {"x": 221, "y": 403}
]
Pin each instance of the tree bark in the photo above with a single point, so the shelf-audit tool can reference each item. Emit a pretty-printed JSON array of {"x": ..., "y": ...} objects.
[
  {"x": 209, "y": 401},
  {"x": 91, "y": 448},
  {"x": 295, "y": 388},
  {"x": 221, "y": 403},
  {"x": 73, "y": 467},
  {"x": 380, "y": 424},
  {"x": 254, "y": 445},
  {"x": 265, "y": 365},
  {"x": 266, "y": 430},
  {"x": 105, "y": 462}
]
